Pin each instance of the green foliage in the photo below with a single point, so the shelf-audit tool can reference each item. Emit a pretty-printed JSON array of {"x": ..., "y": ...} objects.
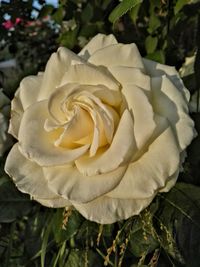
[
  {"x": 13, "y": 204},
  {"x": 167, "y": 233},
  {"x": 123, "y": 8}
]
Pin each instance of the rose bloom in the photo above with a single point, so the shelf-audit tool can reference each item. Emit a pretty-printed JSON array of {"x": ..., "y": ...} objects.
[
  {"x": 103, "y": 131},
  {"x": 4, "y": 117}
]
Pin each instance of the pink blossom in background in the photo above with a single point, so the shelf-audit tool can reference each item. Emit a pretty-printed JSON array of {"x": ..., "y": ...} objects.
[{"x": 9, "y": 24}]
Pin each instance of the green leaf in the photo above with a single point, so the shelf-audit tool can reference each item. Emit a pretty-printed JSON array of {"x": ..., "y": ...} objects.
[
  {"x": 180, "y": 215},
  {"x": 69, "y": 38},
  {"x": 122, "y": 9},
  {"x": 82, "y": 258},
  {"x": 58, "y": 15},
  {"x": 134, "y": 12},
  {"x": 158, "y": 56},
  {"x": 151, "y": 44},
  {"x": 87, "y": 13},
  {"x": 13, "y": 204},
  {"x": 72, "y": 227},
  {"x": 179, "y": 5},
  {"x": 154, "y": 23}
]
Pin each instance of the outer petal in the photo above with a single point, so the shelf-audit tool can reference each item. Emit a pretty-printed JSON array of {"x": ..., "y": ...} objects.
[
  {"x": 29, "y": 177},
  {"x": 120, "y": 151},
  {"x": 150, "y": 173},
  {"x": 16, "y": 116},
  {"x": 58, "y": 202},
  {"x": 29, "y": 86},
  {"x": 107, "y": 210},
  {"x": 128, "y": 75},
  {"x": 142, "y": 112},
  {"x": 90, "y": 75},
  {"x": 70, "y": 184},
  {"x": 98, "y": 42},
  {"x": 155, "y": 69},
  {"x": 42, "y": 150},
  {"x": 170, "y": 103},
  {"x": 57, "y": 65},
  {"x": 22, "y": 100},
  {"x": 118, "y": 55}
]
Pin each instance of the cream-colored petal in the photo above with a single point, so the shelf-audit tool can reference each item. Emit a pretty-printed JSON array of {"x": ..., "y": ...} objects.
[
  {"x": 110, "y": 97},
  {"x": 90, "y": 75},
  {"x": 171, "y": 181},
  {"x": 98, "y": 42},
  {"x": 107, "y": 210},
  {"x": 120, "y": 151},
  {"x": 57, "y": 65},
  {"x": 28, "y": 176},
  {"x": 57, "y": 101},
  {"x": 170, "y": 103},
  {"x": 150, "y": 173},
  {"x": 29, "y": 86},
  {"x": 70, "y": 184},
  {"x": 29, "y": 89},
  {"x": 127, "y": 75},
  {"x": 155, "y": 69},
  {"x": 118, "y": 55},
  {"x": 142, "y": 112},
  {"x": 79, "y": 127},
  {"x": 16, "y": 115},
  {"x": 58, "y": 202},
  {"x": 37, "y": 144}
]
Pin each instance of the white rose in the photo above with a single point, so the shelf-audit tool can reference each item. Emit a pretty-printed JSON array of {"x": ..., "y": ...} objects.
[
  {"x": 4, "y": 115},
  {"x": 102, "y": 131}
]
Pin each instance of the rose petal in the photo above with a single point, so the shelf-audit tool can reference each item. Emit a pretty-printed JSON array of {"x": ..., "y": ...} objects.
[
  {"x": 54, "y": 202},
  {"x": 16, "y": 116},
  {"x": 70, "y": 184},
  {"x": 118, "y": 55},
  {"x": 150, "y": 173},
  {"x": 78, "y": 127},
  {"x": 29, "y": 178},
  {"x": 89, "y": 75},
  {"x": 155, "y": 69},
  {"x": 107, "y": 210},
  {"x": 38, "y": 144},
  {"x": 142, "y": 111},
  {"x": 123, "y": 141},
  {"x": 128, "y": 75},
  {"x": 98, "y": 42},
  {"x": 29, "y": 86},
  {"x": 57, "y": 65},
  {"x": 170, "y": 103}
]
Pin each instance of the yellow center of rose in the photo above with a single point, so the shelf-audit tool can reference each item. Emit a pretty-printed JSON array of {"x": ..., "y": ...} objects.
[{"x": 82, "y": 115}]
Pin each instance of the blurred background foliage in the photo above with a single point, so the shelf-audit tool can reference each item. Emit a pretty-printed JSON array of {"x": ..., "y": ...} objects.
[{"x": 167, "y": 233}]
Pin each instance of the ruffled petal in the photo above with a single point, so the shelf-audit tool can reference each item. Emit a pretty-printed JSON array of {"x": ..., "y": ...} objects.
[
  {"x": 57, "y": 65},
  {"x": 127, "y": 76},
  {"x": 107, "y": 210},
  {"x": 151, "y": 172},
  {"x": 155, "y": 69},
  {"x": 170, "y": 103},
  {"x": 37, "y": 144},
  {"x": 29, "y": 86},
  {"x": 142, "y": 112},
  {"x": 98, "y": 42},
  {"x": 16, "y": 115},
  {"x": 90, "y": 75},
  {"x": 118, "y": 55},
  {"x": 111, "y": 159},
  {"x": 58, "y": 202},
  {"x": 70, "y": 184},
  {"x": 29, "y": 178}
]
